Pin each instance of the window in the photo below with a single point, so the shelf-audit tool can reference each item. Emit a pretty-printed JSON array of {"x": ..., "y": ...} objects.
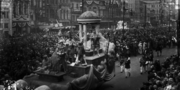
[
  {"x": 1, "y": 25},
  {"x": 153, "y": 6},
  {"x": 77, "y": 6},
  {"x": 40, "y": 4},
  {"x": 6, "y": 14},
  {"x": 6, "y": 25},
  {"x": 72, "y": 6},
  {"x": 73, "y": 18}
]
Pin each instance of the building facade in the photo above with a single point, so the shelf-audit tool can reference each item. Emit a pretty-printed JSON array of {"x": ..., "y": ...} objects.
[
  {"x": 76, "y": 10},
  {"x": 150, "y": 11},
  {"x": 6, "y": 17},
  {"x": 168, "y": 11},
  {"x": 43, "y": 11},
  {"x": 21, "y": 19},
  {"x": 51, "y": 11},
  {"x": 64, "y": 12},
  {"x": 67, "y": 11},
  {"x": 137, "y": 10},
  {"x": 15, "y": 16},
  {"x": 109, "y": 11}
]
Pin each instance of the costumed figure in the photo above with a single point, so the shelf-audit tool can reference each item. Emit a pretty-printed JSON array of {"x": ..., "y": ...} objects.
[{"x": 80, "y": 54}]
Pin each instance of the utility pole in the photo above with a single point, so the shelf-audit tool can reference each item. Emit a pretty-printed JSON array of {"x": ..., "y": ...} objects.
[
  {"x": 1, "y": 32},
  {"x": 178, "y": 33},
  {"x": 161, "y": 11},
  {"x": 123, "y": 16},
  {"x": 108, "y": 15},
  {"x": 82, "y": 7},
  {"x": 71, "y": 21},
  {"x": 112, "y": 15},
  {"x": 169, "y": 18},
  {"x": 145, "y": 15}
]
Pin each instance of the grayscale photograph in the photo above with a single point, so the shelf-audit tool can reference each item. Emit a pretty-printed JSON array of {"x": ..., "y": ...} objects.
[{"x": 89, "y": 45}]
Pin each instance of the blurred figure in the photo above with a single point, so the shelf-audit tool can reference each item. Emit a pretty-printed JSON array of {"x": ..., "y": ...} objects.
[
  {"x": 127, "y": 67},
  {"x": 142, "y": 64}
]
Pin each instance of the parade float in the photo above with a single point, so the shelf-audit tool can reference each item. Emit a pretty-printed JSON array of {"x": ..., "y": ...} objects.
[{"x": 92, "y": 70}]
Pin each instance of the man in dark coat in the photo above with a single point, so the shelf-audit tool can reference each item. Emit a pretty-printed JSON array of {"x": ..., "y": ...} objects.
[{"x": 127, "y": 67}]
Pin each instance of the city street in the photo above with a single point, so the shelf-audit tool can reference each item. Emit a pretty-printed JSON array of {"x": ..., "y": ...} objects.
[
  {"x": 119, "y": 82},
  {"x": 136, "y": 80},
  {"x": 72, "y": 44}
]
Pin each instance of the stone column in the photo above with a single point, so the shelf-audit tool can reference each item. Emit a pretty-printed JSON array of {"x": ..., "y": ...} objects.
[
  {"x": 97, "y": 29},
  {"x": 80, "y": 32},
  {"x": 85, "y": 35}
]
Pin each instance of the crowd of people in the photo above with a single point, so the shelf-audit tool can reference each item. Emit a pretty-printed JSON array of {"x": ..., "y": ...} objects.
[
  {"x": 23, "y": 53},
  {"x": 136, "y": 41},
  {"x": 165, "y": 76}
]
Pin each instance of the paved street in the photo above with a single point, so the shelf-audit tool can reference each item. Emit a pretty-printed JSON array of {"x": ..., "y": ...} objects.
[{"x": 136, "y": 79}]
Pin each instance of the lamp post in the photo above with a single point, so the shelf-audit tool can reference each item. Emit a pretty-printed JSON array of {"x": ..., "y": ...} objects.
[
  {"x": 123, "y": 15},
  {"x": 169, "y": 19},
  {"x": 71, "y": 21},
  {"x": 145, "y": 15},
  {"x": 82, "y": 6}
]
